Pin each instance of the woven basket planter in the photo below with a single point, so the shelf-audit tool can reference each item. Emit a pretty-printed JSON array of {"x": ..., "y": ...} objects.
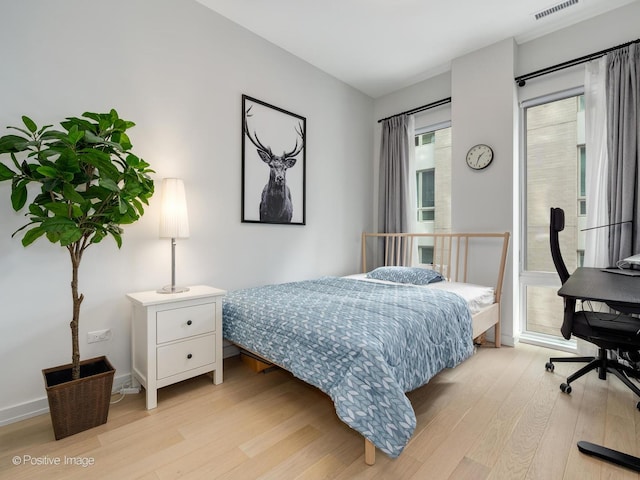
[{"x": 78, "y": 405}]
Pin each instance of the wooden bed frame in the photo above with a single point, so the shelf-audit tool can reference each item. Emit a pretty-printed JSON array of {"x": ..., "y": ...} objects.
[{"x": 451, "y": 257}]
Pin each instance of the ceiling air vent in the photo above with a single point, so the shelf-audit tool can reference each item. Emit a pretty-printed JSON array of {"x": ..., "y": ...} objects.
[{"x": 555, "y": 8}]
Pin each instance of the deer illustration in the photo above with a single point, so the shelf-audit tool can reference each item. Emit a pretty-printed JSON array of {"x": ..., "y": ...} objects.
[{"x": 275, "y": 203}]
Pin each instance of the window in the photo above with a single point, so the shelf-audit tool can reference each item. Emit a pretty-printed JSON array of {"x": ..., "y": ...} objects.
[
  {"x": 426, "y": 195},
  {"x": 425, "y": 254},
  {"x": 582, "y": 181},
  {"x": 425, "y": 138},
  {"x": 554, "y": 176}
]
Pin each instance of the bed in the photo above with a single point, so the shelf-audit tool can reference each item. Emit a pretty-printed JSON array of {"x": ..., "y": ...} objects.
[{"x": 367, "y": 341}]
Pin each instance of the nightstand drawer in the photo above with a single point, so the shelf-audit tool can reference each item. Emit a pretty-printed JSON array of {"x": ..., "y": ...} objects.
[
  {"x": 185, "y": 322},
  {"x": 181, "y": 357}
]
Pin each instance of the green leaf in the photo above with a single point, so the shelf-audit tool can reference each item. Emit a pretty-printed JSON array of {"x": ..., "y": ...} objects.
[
  {"x": 36, "y": 210},
  {"x": 68, "y": 161},
  {"x": 32, "y": 235},
  {"x": 58, "y": 208},
  {"x": 123, "y": 140},
  {"x": 43, "y": 129},
  {"x": 18, "y": 196},
  {"x": 102, "y": 161},
  {"x": 90, "y": 137},
  {"x": 63, "y": 209},
  {"x": 5, "y": 172},
  {"x": 72, "y": 194},
  {"x": 133, "y": 161},
  {"x": 57, "y": 224},
  {"x": 118, "y": 238},
  {"x": 109, "y": 184},
  {"x": 13, "y": 143},
  {"x": 123, "y": 205},
  {"x": 76, "y": 211},
  {"x": 79, "y": 122},
  {"x": 53, "y": 237},
  {"x": 97, "y": 237},
  {"x": 30, "y": 124},
  {"x": 75, "y": 136},
  {"x": 92, "y": 116},
  {"x": 49, "y": 172},
  {"x": 70, "y": 236},
  {"x": 138, "y": 206}
]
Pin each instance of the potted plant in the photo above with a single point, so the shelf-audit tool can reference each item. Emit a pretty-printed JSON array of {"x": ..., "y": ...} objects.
[{"x": 89, "y": 185}]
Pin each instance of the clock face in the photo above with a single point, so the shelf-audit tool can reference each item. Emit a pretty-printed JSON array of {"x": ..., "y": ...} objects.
[{"x": 479, "y": 156}]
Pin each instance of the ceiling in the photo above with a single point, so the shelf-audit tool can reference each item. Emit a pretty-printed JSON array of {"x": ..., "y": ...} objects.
[{"x": 380, "y": 46}]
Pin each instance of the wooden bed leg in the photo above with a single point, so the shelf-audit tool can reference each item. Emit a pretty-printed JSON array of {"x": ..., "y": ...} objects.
[
  {"x": 496, "y": 333},
  {"x": 369, "y": 452}
]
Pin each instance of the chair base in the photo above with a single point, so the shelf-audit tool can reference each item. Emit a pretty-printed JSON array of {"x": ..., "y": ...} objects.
[
  {"x": 612, "y": 456},
  {"x": 603, "y": 364}
]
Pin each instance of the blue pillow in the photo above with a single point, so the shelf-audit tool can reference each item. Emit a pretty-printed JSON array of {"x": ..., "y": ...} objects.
[{"x": 413, "y": 275}]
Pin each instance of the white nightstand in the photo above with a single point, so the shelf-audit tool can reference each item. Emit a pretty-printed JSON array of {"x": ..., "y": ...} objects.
[{"x": 175, "y": 336}]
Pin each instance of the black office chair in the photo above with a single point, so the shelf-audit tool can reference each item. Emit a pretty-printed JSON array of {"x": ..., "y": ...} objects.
[{"x": 608, "y": 331}]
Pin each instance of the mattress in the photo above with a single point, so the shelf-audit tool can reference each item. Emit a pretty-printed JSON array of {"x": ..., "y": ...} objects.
[{"x": 478, "y": 297}]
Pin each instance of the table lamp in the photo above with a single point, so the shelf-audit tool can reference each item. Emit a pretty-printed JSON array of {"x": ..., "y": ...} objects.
[{"x": 174, "y": 223}]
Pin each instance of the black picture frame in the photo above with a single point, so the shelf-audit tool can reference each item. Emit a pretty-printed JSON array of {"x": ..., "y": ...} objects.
[{"x": 273, "y": 150}]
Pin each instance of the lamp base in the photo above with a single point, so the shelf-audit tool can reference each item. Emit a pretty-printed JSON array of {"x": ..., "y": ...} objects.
[{"x": 173, "y": 289}]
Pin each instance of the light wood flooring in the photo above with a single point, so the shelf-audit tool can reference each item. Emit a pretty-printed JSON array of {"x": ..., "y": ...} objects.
[{"x": 499, "y": 415}]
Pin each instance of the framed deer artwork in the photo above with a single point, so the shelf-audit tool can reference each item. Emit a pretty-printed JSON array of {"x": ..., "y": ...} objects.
[{"x": 273, "y": 164}]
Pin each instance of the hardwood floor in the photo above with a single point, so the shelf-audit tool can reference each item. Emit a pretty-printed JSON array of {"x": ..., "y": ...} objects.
[{"x": 499, "y": 415}]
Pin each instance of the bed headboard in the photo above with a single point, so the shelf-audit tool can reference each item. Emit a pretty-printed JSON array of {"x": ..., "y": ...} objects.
[{"x": 454, "y": 255}]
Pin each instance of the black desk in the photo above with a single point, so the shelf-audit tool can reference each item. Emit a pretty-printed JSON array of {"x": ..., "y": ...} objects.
[
  {"x": 610, "y": 288},
  {"x": 622, "y": 293}
]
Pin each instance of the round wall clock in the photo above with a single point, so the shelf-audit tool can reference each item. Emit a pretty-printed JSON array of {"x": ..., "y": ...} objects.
[{"x": 479, "y": 156}]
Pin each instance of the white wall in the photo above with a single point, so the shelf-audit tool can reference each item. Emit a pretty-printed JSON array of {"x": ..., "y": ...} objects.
[
  {"x": 484, "y": 109},
  {"x": 484, "y": 112},
  {"x": 178, "y": 70}
]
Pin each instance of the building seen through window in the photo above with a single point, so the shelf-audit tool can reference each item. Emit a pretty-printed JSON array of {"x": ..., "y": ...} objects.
[{"x": 433, "y": 185}]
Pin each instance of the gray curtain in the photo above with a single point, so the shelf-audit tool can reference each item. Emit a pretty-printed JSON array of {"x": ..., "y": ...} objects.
[
  {"x": 623, "y": 90},
  {"x": 394, "y": 191}
]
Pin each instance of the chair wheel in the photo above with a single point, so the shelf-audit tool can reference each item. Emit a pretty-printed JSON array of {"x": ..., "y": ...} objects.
[
  {"x": 549, "y": 367},
  {"x": 638, "y": 405},
  {"x": 566, "y": 388}
]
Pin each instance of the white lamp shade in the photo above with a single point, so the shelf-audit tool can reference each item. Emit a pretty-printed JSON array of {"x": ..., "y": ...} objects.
[{"x": 174, "y": 221}]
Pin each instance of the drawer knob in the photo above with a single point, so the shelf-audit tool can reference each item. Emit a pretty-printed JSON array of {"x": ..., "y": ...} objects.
[
  {"x": 189, "y": 322},
  {"x": 189, "y": 356}
]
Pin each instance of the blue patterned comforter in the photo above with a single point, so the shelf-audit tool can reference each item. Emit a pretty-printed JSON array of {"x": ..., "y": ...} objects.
[{"x": 364, "y": 344}]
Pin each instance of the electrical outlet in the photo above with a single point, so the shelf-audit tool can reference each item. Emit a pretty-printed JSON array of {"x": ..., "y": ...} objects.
[{"x": 99, "y": 336}]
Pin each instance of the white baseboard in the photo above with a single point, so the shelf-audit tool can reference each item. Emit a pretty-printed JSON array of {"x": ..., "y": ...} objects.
[
  {"x": 506, "y": 340},
  {"x": 40, "y": 406}
]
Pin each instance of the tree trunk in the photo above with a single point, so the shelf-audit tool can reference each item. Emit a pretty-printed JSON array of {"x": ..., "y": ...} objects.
[{"x": 76, "y": 256}]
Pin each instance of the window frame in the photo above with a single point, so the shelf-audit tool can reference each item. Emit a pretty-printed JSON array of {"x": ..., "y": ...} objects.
[{"x": 527, "y": 278}]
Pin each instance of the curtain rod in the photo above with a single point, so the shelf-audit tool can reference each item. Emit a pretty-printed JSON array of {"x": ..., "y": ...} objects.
[
  {"x": 444, "y": 101},
  {"x": 522, "y": 79}
]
